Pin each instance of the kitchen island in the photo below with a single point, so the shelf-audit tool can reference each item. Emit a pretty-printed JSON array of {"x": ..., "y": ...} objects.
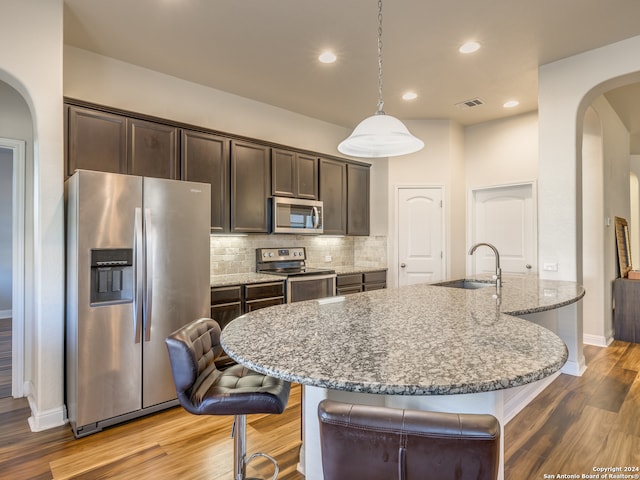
[{"x": 420, "y": 346}]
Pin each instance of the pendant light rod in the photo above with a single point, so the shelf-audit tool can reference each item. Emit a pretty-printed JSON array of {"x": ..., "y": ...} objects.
[
  {"x": 380, "y": 101},
  {"x": 380, "y": 135}
]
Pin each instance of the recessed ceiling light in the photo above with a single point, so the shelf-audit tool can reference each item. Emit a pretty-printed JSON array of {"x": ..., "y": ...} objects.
[
  {"x": 469, "y": 47},
  {"x": 327, "y": 57},
  {"x": 410, "y": 96},
  {"x": 511, "y": 104}
]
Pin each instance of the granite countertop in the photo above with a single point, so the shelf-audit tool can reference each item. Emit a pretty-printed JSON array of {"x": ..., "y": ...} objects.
[
  {"x": 247, "y": 278},
  {"x": 343, "y": 270},
  {"x": 414, "y": 340},
  {"x": 242, "y": 279}
]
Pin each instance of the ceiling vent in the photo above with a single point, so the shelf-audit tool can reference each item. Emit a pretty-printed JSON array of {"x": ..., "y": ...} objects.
[{"x": 474, "y": 102}]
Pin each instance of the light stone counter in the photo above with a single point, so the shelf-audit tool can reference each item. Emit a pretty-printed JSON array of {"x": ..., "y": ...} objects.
[
  {"x": 344, "y": 270},
  {"x": 242, "y": 279},
  {"x": 420, "y": 346},
  {"x": 414, "y": 340}
]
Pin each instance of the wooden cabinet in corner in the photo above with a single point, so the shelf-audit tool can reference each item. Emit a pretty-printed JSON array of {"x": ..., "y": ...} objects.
[
  {"x": 205, "y": 158},
  {"x": 95, "y": 141},
  {"x": 294, "y": 174},
  {"x": 250, "y": 182},
  {"x": 108, "y": 142}
]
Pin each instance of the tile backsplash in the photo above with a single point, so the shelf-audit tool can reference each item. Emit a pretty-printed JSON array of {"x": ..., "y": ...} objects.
[{"x": 237, "y": 254}]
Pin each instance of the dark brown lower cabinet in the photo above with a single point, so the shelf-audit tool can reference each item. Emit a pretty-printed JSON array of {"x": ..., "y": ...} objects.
[
  {"x": 349, "y": 283},
  {"x": 229, "y": 302}
]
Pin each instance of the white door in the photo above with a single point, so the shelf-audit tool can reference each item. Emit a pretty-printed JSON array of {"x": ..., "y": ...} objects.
[
  {"x": 420, "y": 233},
  {"x": 505, "y": 217}
]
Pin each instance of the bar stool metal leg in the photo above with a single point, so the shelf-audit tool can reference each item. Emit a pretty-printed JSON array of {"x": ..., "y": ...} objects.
[{"x": 239, "y": 434}]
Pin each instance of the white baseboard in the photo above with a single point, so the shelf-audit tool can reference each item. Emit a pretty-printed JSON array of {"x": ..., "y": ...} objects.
[
  {"x": 574, "y": 368},
  {"x": 523, "y": 395},
  {"x": 39, "y": 421},
  {"x": 5, "y": 314},
  {"x": 596, "y": 340}
]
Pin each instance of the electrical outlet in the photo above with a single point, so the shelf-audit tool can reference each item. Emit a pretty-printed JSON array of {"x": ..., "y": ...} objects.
[
  {"x": 550, "y": 267},
  {"x": 327, "y": 258}
]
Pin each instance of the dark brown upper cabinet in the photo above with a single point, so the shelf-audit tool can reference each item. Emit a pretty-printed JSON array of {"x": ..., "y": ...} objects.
[
  {"x": 250, "y": 187},
  {"x": 357, "y": 199},
  {"x": 333, "y": 193},
  {"x": 152, "y": 149},
  {"x": 113, "y": 143},
  {"x": 205, "y": 158},
  {"x": 294, "y": 174},
  {"x": 96, "y": 141}
]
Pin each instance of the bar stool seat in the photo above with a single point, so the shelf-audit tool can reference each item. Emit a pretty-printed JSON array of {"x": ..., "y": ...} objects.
[{"x": 202, "y": 389}]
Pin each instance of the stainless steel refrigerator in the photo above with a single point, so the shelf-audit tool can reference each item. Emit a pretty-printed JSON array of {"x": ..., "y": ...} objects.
[{"x": 137, "y": 269}]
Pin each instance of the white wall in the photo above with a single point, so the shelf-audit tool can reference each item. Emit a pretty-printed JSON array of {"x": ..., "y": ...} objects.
[
  {"x": 634, "y": 216},
  {"x": 6, "y": 216},
  {"x": 440, "y": 163},
  {"x": 616, "y": 144},
  {"x": 502, "y": 151},
  {"x": 32, "y": 65},
  {"x": 594, "y": 230},
  {"x": 106, "y": 81}
]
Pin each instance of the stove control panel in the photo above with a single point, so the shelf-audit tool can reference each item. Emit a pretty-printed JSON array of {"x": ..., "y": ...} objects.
[{"x": 281, "y": 254}]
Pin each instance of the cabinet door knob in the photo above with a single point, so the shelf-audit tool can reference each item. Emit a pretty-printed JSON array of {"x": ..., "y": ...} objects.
[
  {"x": 528, "y": 266},
  {"x": 402, "y": 265}
]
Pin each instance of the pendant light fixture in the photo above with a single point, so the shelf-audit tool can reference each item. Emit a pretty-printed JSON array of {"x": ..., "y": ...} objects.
[{"x": 380, "y": 135}]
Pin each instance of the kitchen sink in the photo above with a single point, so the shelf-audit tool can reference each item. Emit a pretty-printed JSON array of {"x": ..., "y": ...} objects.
[{"x": 466, "y": 284}]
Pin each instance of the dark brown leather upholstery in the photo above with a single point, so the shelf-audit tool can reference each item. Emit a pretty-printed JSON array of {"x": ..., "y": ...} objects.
[
  {"x": 380, "y": 443},
  {"x": 204, "y": 390}
]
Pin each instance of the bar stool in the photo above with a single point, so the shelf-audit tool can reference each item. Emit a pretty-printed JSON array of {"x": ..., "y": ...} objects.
[
  {"x": 382, "y": 443},
  {"x": 204, "y": 390}
]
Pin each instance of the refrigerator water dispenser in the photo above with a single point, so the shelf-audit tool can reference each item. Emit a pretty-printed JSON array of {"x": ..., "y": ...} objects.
[{"x": 111, "y": 276}]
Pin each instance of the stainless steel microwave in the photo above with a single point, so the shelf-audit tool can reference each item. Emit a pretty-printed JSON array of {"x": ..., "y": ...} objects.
[{"x": 293, "y": 215}]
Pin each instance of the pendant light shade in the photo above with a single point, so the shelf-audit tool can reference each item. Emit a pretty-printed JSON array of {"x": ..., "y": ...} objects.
[{"x": 380, "y": 135}]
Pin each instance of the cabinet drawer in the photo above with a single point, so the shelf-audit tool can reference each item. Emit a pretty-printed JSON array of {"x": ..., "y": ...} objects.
[
  {"x": 349, "y": 290},
  {"x": 263, "y": 290},
  {"x": 226, "y": 294},
  {"x": 349, "y": 279},
  {"x": 258, "y": 304},
  {"x": 374, "y": 286},
  {"x": 375, "y": 277}
]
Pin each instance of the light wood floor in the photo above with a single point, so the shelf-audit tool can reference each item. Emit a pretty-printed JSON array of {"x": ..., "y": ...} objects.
[{"x": 576, "y": 424}]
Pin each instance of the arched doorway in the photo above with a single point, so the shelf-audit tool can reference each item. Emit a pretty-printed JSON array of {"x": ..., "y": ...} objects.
[
  {"x": 15, "y": 135},
  {"x": 566, "y": 90}
]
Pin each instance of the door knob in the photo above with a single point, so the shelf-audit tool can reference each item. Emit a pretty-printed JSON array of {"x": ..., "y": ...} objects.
[
  {"x": 402, "y": 265},
  {"x": 528, "y": 267}
]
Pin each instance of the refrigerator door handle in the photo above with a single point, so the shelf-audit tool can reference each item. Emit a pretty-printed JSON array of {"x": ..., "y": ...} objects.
[
  {"x": 139, "y": 269},
  {"x": 150, "y": 250}
]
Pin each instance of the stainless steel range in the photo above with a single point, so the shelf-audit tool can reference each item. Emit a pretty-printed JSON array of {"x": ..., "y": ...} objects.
[{"x": 302, "y": 282}]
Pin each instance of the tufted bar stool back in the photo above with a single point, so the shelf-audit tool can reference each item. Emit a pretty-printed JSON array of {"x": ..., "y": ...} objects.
[
  {"x": 202, "y": 389},
  {"x": 382, "y": 443}
]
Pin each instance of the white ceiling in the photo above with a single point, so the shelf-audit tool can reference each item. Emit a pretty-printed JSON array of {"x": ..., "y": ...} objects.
[{"x": 267, "y": 50}]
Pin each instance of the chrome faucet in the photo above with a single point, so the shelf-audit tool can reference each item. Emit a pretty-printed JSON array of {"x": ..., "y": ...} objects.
[{"x": 498, "y": 275}]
